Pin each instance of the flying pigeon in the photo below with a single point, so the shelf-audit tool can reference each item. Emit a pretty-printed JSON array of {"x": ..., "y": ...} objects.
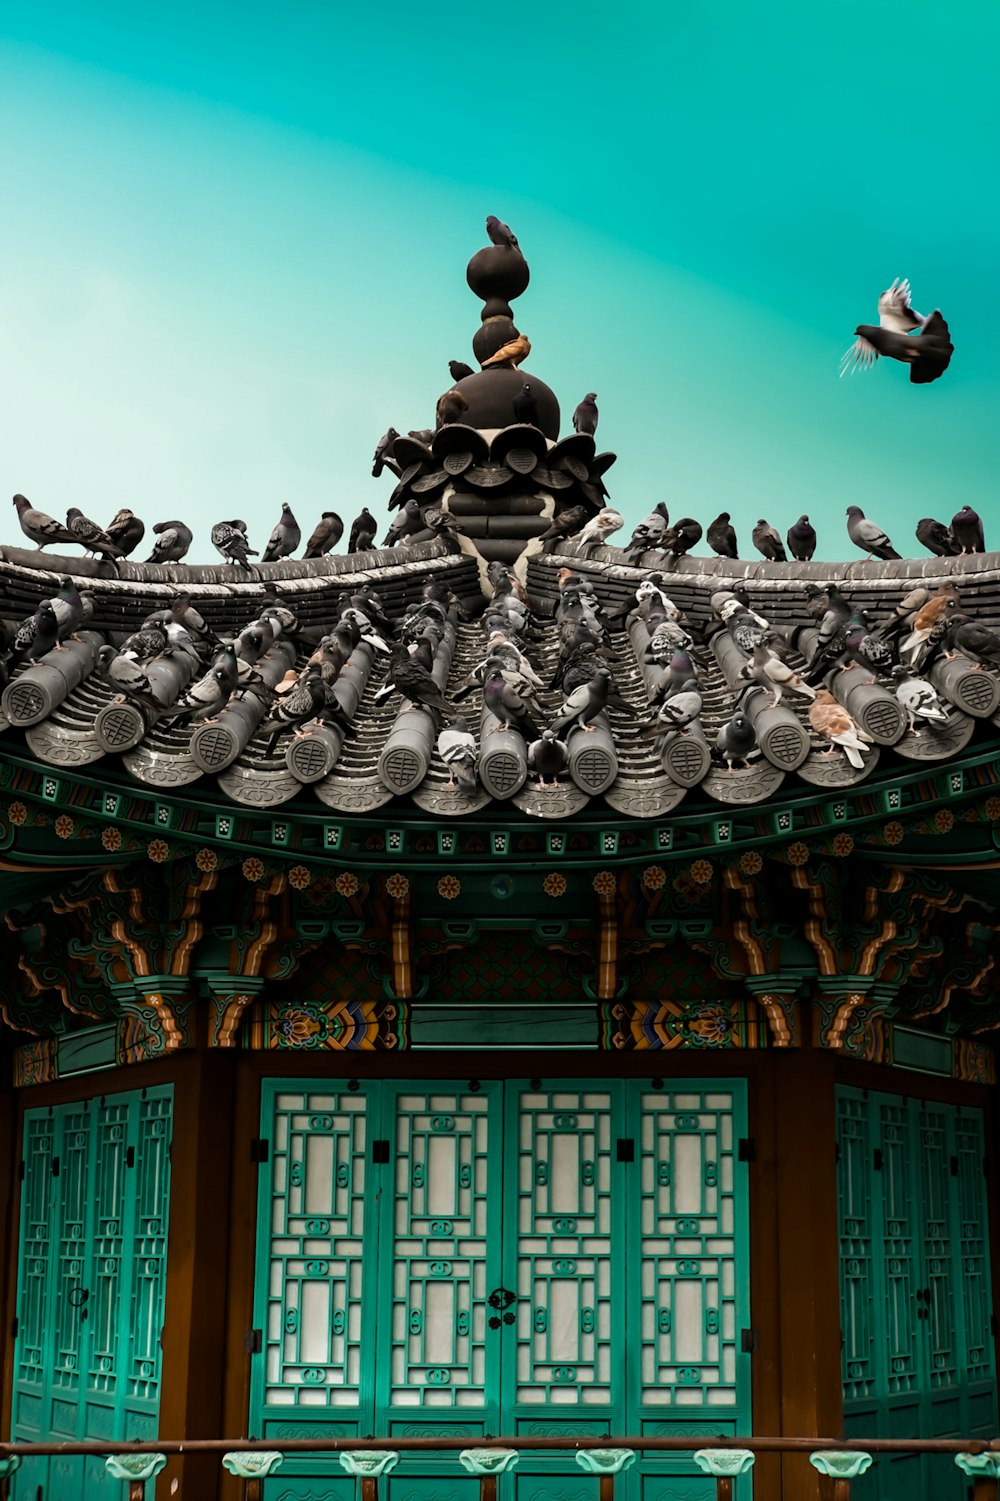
[
  {"x": 284, "y": 539},
  {"x": 90, "y": 536},
  {"x": 363, "y": 530},
  {"x": 500, "y": 233},
  {"x": 525, "y": 406},
  {"x": 173, "y": 539},
  {"x": 514, "y": 352},
  {"x": 927, "y": 353},
  {"x": 722, "y": 536},
  {"x": 600, "y": 528},
  {"x": 230, "y": 539},
  {"x": 450, "y": 407},
  {"x": 736, "y": 740},
  {"x": 547, "y": 758},
  {"x": 967, "y": 530},
  {"x": 39, "y": 527},
  {"x": 801, "y": 539},
  {"x": 457, "y": 749},
  {"x": 832, "y": 722},
  {"x": 126, "y": 531},
  {"x": 328, "y": 532},
  {"x": 936, "y": 537},
  {"x": 768, "y": 543},
  {"x": 866, "y": 535},
  {"x": 585, "y": 417},
  {"x": 383, "y": 451},
  {"x": 918, "y": 698}
]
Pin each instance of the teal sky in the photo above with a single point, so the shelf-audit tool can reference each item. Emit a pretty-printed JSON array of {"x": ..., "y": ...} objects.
[{"x": 236, "y": 236}]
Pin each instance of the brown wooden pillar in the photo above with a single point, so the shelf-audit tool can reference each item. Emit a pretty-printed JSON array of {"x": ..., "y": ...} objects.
[
  {"x": 197, "y": 1263},
  {"x": 807, "y": 1254}
]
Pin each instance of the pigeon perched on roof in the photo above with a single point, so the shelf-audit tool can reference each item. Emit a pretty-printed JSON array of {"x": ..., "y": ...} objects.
[
  {"x": 459, "y": 370},
  {"x": 933, "y": 614},
  {"x": 736, "y": 740},
  {"x": 38, "y": 526},
  {"x": 927, "y": 353},
  {"x": 525, "y": 406},
  {"x": 326, "y": 534},
  {"x": 363, "y": 529},
  {"x": 205, "y": 700},
  {"x": 568, "y": 521},
  {"x": 722, "y": 536},
  {"x": 681, "y": 537},
  {"x": 676, "y": 712},
  {"x": 514, "y": 352},
  {"x": 918, "y": 698},
  {"x": 127, "y": 675},
  {"x": 408, "y": 521},
  {"x": 936, "y": 537},
  {"x": 126, "y": 531},
  {"x": 71, "y": 608},
  {"x": 582, "y": 706},
  {"x": 409, "y": 677},
  {"x": 648, "y": 533},
  {"x": 768, "y": 543},
  {"x": 173, "y": 540},
  {"x": 801, "y": 539},
  {"x": 36, "y": 636},
  {"x": 284, "y": 539},
  {"x": 972, "y": 638},
  {"x": 509, "y": 703},
  {"x": 501, "y": 233},
  {"x": 832, "y": 722},
  {"x": 967, "y": 530},
  {"x": 867, "y": 535},
  {"x": 767, "y": 669},
  {"x": 548, "y": 758},
  {"x": 585, "y": 417},
  {"x": 231, "y": 540},
  {"x": 600, "y": 528},
  {"x": 383, "y": 451},
  {"x": 306, "y": 701},
  {"x": 457, "y": 748},
  {"x": 450, "y": 407},
  {"x": 91, "y": 537}
]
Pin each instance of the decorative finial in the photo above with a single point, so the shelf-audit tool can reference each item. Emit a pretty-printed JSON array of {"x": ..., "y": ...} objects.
[{"x": 497, "y": 273}]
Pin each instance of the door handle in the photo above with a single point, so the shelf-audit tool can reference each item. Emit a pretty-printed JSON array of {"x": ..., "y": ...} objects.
[{"x": 501, "y": 1299}]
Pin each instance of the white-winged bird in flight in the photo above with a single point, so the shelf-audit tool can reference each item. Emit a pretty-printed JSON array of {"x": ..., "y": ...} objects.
[{"x": 927, "y": 352}]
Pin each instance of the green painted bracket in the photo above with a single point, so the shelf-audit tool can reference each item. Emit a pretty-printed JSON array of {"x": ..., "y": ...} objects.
[
  {"x": 253, "y": 1463},
  {"x": 369, "y": 1463},
  {"x": 724, "y": 1461},
  {"x": 605, "y": 1461},
  {"x": 488, "y": 1461},
  {"x": 843, "y": 1464},
  {"x": 978, "y": 1465},
  {"x": 134, "y": 1466}
]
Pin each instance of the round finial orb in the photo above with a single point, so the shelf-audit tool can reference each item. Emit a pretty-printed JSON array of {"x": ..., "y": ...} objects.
[{"x": 498, "y": 273}]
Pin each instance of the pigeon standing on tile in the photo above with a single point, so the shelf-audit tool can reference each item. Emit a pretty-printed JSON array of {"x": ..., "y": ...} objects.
[
  {"x": 451, "y": 407},
  {"x": 936, "y": 537},
  {"x": 38, "y": 526},
  {"x": 600, "y": 528},
  {"x": 768, "y": 543},
  {"x": 173, "y": 539},
  {"x": 127, "y": 676},
  {"x": 284, "y": 539},
  {"x": 90, "y": 536},
  {"x": 918, "y": 698},
  {"x": 230, "y": 539},
  {"x": 508, "y": 703},
  {"x": 457, "y": 748},
  {"x": 363, "y": 529},
  {"x": 967, "y": 530},
  {"x": 868, "y": 535},
  {"x": 126, "y": 531},
  {"x": 767, "y": 669},
  {"x": 801, "y": 539},
  {"x": 832, "y": 722},
  {"x": 547, "y": 758},
  {"x": 513, "y": 353},
  {"x": 582, "y": 706},
  {"x": 36, "y": 636},
  {"x": 326, "y": 534},
  {"x": 736, "y": 740},
  {"x": 676, "y": 712},
  {"x": 525, "y": 406},
  {"x": 681, "y": 537},
  {"x": 648, "y": 533},
  {"x": 971, "y": 638},
  {"x": 585, "y": 418},
  {"x": 722, "y": 536},
  {"x": 71, "y": 608}
]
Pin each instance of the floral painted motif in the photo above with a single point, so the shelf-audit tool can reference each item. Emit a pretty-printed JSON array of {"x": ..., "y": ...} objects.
[
  {"x": 893, "y": 833},
  {"x": 701, "y": 871},
  {"x": 604, "y": 883},
  {"x": 449, "y": 887},
  {"x": 297, "y": 1027},
  {"x": 253, "y": 869},
  {"x": 397, "y": 886},
  {"x": 346, "y": 883},
  {"x": 712, "y": 1024},
  {"x": 65, "y": 826},
  {"x": 843, "y": 844},
  {"x": 992, "y": 809},
  {"x": 554, "y": 884},
  {"x": 944, "y": 820},
  {"x": 653, "y": 877},
  {"x": 798, "y": 853},
  {"x": 751, "y": 862},
  {"x": 206, "y": 860},
  {"x": 158, "y": 850},
  {"x": 299, "y": 876},
  {"x": 17, "y": 813},
  {"x": 111, "y": 839}
]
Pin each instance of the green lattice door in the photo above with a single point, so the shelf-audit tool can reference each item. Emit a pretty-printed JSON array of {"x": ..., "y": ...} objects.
[
  {"x": 501, "y": 1258},
  {"x": 91, "y": 1276},
  {"x": 915, "y": 1294}
]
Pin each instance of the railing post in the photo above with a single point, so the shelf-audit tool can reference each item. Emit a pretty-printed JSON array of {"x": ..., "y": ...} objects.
[
  {"x": 368, "y": 1465},
  {"x": 724, "y": 1464},
  {"x": 251, "y": 1466},
  {"x": 7, "y": 1468},
  {"x": 136, "y": 1469},
  {"x": 984, "y": 1472},
  {"x": 844, "y": 1465},
  {"x": 606, "y": 1463},
  {"x": 488, "y": 1464}
]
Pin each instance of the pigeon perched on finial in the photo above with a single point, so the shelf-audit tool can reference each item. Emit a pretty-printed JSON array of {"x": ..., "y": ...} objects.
[
  {"x": 525, "y": 405},
  {"x": 459, "y": 370},
  {"x": 450, "y": 407},
  {"x": 173, "y": 539},
  {"x": 768, "y": 543},
  {"x": 513, "y": 353},
  {"x": 500, "y": 233},
  {"x": 801, "y": 539},
  {"x": 284, "y": 539},
  {"x": 586, "y": 416},
  {"x": 327, "y": 533},
  {"x": 383, "y": 451},
  {"x": 936, "y": 537},
  {"x": 927, "y": 353},
  {"x": 38, "y": 526},
  {"x": 363, "y": 530},
  {"x": 722, "y": 536},
  {"x": 867, "y": 535},
  {"x": 90, "y": 536},
  {"x": 126, "y": 531},
  {"x": 967, "y": 530},
  {"x": 231, "y": 540}
]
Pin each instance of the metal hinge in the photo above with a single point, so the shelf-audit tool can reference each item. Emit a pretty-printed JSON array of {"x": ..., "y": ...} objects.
[
  {"x": 260, "y": 1149},
  {"x": 380, "y": 1149},
  {"x": 746, "y": 1149},
  {"x": 253, "y": 1341},
  {"x": 877, "y": 1159},
  {"x": 55, "y": 1167},
  {"x": 749, "y": 1341},
  {"x": 625, "y": 1149}
]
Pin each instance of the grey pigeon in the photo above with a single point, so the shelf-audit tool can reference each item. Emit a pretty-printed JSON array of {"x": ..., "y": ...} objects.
[
  {"x": 936, "y": 537},
  {"x": 967, "y": 529},
  {"x": 525, "y": 406},
  {"x": 230, "y": 539},
  {"x": 284, "y": 539},
  {"x": 173, "y": 539},
  {"x": 459, "y": 370},
  {"x": 457, "y": 748},
  {"x": 768, "y": 543},
  {"x": 722, "y": 536},
  {"x": 206, "y": 699},
  {"x": 568, "y": 521},
  {"x": 649, "y": 531},
  {"x": 126, "y": 531},
  {"x": 90, "y": 536},
  {"x": 363, "y": 530},
  {"x": 407, "y": 522},
  {"x": 867, "y": 535},
  {"x": 127, "y": 675},
  {"x": 71, "y": 608},
  {"x": 327, "y": 533},
  {"x": 38, "y": 526},
  {"x": 676, "y": 713},
  {"x": 508, "y": 704},
  {"x": 801, "y": 539},
  {"x": 415, "y": 682},
  {"x": 928, "y": 353},
  {"x": 35, "y": 636},
  {"x": 737, "y": 739},
  {"x": 972, "y": 638},
  {"x": 585, "y": 417},
  {"x": 582, "y": 706},
  {"x": 918, "y": 698},
  {"x": 383, "y": 451},
  {"x": 547, "y": 758},
  {"x": 305, "y": 701},
  {"x": 500, "y": 233}
]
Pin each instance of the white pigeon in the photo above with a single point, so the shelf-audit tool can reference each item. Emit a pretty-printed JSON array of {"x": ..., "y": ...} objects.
[
  {"x": 457, "y": 749},
  {"x": 894, "y": 313},
  {"x": 600, "y": 528},
  {"x": 919, "y": 699}
]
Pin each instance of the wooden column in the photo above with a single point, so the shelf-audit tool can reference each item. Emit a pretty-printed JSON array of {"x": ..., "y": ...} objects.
[
  {"x": 197, "y": 1267},
  {"x": 807, "y": 1254}
]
